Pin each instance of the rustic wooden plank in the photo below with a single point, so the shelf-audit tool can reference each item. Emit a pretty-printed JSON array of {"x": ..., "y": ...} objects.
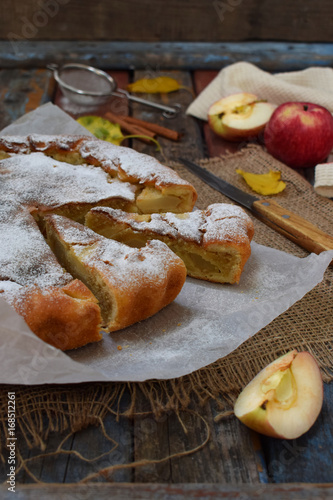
[
  {"x": 151, "y": 442},
  {"x": 300, "y": 20},
  {"x": 48, "y": 469},
  {"x": 190, "y": 143},
  {"x": 91, "y": 443},
  {"x": 229, "y": 457},
  {"x": 242, "y": 458},
  {"x": 51, "y": 469},
  {"x": 271, "y": 56},
  {"x": 36, "y": 465},
  {"x": 295, "y": 491},
  {"x": 308, "y": 458},
  {"x": 22, "y": 91}
]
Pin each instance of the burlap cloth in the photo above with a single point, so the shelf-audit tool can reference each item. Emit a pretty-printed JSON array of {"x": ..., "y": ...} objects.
[{"x": 307, "y": 325}]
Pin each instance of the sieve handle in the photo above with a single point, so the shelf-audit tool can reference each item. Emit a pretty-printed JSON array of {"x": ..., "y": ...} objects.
[{"x": 168, "y": 112}]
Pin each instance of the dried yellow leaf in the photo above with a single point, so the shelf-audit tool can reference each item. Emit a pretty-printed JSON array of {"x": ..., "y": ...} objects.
[
  {"x": 108, "y": 131},
  {"x": 102, "y": 129},
  {"x": 264, "y": 183},
  {"x": 158, "y": 85}
]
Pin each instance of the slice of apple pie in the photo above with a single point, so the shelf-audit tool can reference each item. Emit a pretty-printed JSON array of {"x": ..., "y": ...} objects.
[
  {"x": 213, "y": 243},
  {"x": 130, "y": 284}
]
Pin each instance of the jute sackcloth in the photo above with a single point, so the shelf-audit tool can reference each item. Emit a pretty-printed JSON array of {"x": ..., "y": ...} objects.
[{"x": 307, "y": 325}]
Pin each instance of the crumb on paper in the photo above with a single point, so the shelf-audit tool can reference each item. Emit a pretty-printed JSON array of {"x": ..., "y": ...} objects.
[
  {"x": 119, "y": 347},
  {"x": 179, "y": 324}
]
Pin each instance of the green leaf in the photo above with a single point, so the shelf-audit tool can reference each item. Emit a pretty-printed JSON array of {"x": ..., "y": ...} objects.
[{"x": 102, "y": 129}]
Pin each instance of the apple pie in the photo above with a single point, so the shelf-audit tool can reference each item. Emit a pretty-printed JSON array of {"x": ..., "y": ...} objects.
[
  {"x": 66, "y": 176},
  {"x": 130, "y": 284},
  {"x": 213, "y": 243}
]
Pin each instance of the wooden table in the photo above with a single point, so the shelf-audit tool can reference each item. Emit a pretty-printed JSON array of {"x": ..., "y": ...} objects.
[{"x": 236, "y": 462}]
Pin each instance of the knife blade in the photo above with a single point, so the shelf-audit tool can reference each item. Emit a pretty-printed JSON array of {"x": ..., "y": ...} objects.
[{"x": 291, "y": 225}]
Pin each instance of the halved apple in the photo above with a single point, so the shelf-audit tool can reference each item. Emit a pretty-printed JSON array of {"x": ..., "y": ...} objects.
[
  {"x": 239, "y": 116},
  {"x": 284, "y": 399}
]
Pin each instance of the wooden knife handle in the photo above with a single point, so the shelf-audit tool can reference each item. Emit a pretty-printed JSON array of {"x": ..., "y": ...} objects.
[{"x": 293, "y": 226}]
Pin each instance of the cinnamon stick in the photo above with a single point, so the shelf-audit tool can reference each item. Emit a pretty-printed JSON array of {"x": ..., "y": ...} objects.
[
  {"x": 130, "y": 128},
  {"x": 154, "y": 127}
]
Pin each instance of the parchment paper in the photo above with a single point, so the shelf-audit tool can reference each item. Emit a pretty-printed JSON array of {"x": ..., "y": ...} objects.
[{"x": 205, "y": 322}]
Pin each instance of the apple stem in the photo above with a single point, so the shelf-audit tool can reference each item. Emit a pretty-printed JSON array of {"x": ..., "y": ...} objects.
[{"x": 305, "y": 107}]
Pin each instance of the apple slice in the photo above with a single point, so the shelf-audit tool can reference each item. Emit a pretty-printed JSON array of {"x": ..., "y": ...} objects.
[
  {"x": 284, "y": 399},
  {"x": 239, "y": 116}
]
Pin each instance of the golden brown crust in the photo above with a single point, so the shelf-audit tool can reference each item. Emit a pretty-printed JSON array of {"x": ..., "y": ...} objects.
[
  {"x": 66, "y": 317},
  {"x": 131, "y": 284}
]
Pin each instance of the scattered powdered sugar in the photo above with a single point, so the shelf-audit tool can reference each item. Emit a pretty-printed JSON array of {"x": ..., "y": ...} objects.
[
  {"x": 220, "y": 222},
  {"x": 64, "y": 142},
  {"x": 38, "y": 179},
  {"x": 15, "y": 144},
  {"x": 122, "y": 265},
  {"x": 188, "y": 225},
  {"x": 9, "y": 290},
  {"x": 25, "y": 257},
  {"x": 143, "y": 168},
  {"x": 226, "y": 222}
]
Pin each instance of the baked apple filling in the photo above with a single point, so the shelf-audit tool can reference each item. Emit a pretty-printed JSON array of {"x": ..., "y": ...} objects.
[{"x": 213, "y": 244}]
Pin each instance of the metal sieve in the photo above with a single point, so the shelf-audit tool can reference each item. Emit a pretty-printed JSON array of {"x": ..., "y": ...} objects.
[{"x": 89, "y": 86}]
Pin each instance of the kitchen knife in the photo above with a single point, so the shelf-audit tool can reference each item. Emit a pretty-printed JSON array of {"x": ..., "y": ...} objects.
[{"x": 292, "y": 226}]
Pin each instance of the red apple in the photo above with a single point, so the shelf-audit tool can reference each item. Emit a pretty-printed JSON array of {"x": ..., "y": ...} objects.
[
  {"x": 284, "y": 399},
  {"x": 239, "y": 116},
  {"x": 300, "y": 134}
]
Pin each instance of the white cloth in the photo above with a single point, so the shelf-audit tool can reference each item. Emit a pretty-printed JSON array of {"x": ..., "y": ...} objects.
[
  {"x": 314, "y": 84},
  {"x": 323, "y": 182}
]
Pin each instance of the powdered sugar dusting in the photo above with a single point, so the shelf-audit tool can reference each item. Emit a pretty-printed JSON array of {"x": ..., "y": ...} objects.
[
  {"x": 127, "y": 164},
  {"x": 123, "y": 266},
  {"x": 220, "y": 222},
  {"x": 188, "y": 225},
  {"x": 25, "y": 257},
  {"x": 38, "y": 179},
  {"x": 41, "y": 142},
  {"x": 140, "y": 167},
  {"x": 15, "y": 144},
  {"x": 226, "y": 222},
  {"x": 9, "y": 290}
]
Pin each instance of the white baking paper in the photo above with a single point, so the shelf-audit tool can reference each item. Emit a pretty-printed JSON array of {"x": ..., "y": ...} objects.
[{"x": 206, "y": 321}]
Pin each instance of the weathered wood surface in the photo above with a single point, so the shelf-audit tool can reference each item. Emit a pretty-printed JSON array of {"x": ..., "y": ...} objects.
[
  {"x": 233, "y": 455},
  {"x": 22, "y": 91},
  {"x": 271, "y": 56},
  {"x": 232, "y": 20},
  {"x": 199, "y": 491}
]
